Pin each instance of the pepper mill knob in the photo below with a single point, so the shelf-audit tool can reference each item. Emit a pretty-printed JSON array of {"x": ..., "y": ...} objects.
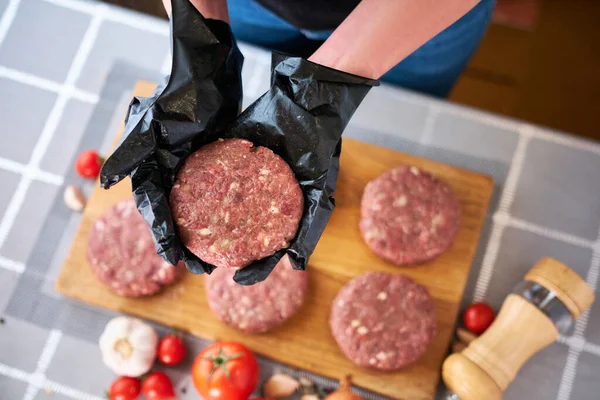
[{"x": 550, "y": 299}]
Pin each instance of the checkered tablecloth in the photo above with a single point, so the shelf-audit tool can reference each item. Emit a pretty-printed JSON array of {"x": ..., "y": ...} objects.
[{"x": 66, "y": 72}]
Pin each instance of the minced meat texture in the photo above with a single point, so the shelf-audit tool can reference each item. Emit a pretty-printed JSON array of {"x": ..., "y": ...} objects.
[
  {"x": 122, "y": 254},
  {"x": 408, "y": 216},
  {"x": 235, "y": 203},
  {"x": 260, "y": 307},
  {"x": 383, "y": 321}
]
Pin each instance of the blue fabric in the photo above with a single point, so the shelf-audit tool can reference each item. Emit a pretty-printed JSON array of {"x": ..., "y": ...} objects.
[{"x": 432, "y": 69}]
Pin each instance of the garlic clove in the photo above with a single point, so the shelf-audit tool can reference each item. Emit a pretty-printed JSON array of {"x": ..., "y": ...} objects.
[
  {"x": 280, "y": 386},
  {"x": 74, "y": 198},
  {"x": 307, "y": 387},
  {"x": 305, "y": 382},
  {"x": 309, "y": 397}
]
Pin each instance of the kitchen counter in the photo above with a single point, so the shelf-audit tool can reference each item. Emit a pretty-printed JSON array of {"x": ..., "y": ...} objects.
[{"x": 67, "y": 68}]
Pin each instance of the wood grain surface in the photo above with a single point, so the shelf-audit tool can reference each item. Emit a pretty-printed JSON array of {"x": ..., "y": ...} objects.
[{"x": 305, "y": 341}]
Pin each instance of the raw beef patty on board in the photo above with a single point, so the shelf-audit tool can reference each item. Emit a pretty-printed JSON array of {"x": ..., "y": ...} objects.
[
  {"x": 122, "y": 254},
  {"x": 260, "y": 307},
  {"x": 408, "y": 216},
  {"x": 383, "y": 321}
]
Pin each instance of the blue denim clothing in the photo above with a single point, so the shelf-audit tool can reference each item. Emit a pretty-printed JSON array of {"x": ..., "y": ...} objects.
[{"x": 432, "y": 69}]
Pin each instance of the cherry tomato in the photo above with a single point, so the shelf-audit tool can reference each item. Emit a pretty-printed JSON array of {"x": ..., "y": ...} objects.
[
  {"x": 158, "y": 386},
  {"x": 478, "y": 317},
  {"x": 88, "y": 164},
  {"x": 125, "y": 388},
  {"x": 171, "y": 350},
  {"x": 225, "y": 371}
]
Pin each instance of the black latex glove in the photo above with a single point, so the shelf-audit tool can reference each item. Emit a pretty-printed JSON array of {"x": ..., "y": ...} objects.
[
  {"x": 203, "y": 93},
  {"x": 301, "y": 118}
]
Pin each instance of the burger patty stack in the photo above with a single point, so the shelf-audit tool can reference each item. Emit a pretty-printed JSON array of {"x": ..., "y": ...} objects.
[{"x": 235, "y": 203}]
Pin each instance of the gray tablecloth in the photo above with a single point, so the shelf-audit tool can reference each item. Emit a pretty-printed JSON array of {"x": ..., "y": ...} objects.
[{"x": 66, "y": 72}]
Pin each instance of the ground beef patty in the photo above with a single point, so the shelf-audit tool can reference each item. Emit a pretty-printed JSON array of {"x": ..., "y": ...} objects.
[
  {"x": 260, "y": 307},
  {"x": 384, "y": 321},
  {"x": 122, "y": 254},
  {"x": 235, "y": 203},
  {"x": 408, "y": 216}
]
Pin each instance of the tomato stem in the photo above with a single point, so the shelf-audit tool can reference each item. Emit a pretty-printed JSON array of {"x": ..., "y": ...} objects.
[
  {"x": 176, "y": 333},
  {"x": 145, "y": 376},
  {"x": 220, "y": 361}
]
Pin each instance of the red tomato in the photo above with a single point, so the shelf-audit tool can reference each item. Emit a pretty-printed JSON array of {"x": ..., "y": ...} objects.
[
  {"x": 171, "y": 350},
  {"x": 125, "y": 388},
  {"x": 158, "y": 386},
  {"x": 225, "y": 371},
  {"x": 88, "y": 164},
  {"x": 478, "y": 317}
]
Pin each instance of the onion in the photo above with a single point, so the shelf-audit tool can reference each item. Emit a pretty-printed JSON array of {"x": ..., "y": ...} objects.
[{"x": 344, "y": 391}]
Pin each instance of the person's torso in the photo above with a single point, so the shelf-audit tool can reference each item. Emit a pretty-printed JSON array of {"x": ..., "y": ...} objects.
[{"x": 314, "y": 15}]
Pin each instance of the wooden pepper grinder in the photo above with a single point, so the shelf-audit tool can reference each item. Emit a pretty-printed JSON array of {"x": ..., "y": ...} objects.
[{"x": 546, "y": 303}]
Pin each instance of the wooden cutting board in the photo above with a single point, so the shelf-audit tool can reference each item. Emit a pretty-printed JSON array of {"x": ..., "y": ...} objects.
[{"x": 305, "y": 341}]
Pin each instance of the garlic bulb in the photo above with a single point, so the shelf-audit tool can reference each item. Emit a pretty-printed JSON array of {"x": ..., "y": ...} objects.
[{"x": 128, "y": 346}]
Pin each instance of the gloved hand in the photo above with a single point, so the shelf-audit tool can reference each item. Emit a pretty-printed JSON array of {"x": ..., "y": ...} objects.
[
  {"x": 302, "y": 118},
  {"x": 202, "y": 94}
]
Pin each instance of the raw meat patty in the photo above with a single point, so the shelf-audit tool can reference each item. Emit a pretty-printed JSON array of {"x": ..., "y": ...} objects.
[
  {"x": 235, "y": 203},
  {"x": 408, "y": 216},
  {"x": 383, "y": 321},
  {"x": 122, "y": 254},
  {"x": 260, "y": 307}
]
